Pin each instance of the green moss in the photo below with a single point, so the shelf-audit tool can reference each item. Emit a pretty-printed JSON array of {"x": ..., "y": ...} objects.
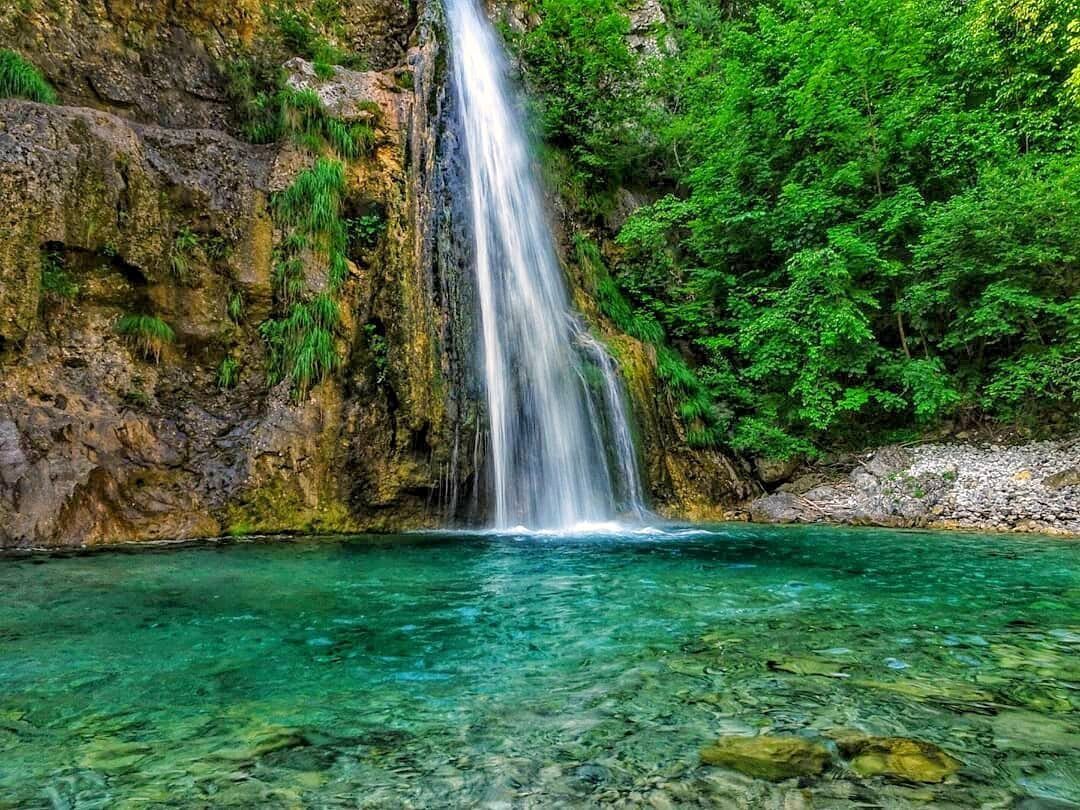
[
  {"x": 241, "y": 528},
  {"x": 278, "y": 507},
  {"x": 20, "y": 79}
]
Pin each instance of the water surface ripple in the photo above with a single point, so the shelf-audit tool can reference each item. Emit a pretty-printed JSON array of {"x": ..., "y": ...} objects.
[{"x": 535, "y": 671}]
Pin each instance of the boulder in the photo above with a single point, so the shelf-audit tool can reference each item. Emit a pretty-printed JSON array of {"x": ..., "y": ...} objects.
[
  {"x": 888, "y": 461},
  {"x": 803, "y": 483},
  {"x": 780, "y": 507},
  {"x": 898, "y": 758},
  {"x": 774, "y": 470},
  {"x": 768, "y": 757}
]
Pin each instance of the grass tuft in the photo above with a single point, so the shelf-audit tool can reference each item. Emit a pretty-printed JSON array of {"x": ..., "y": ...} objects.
[
  {"x": 20, "y": 79},
  {"x": 149, "y": 333},
  {"x": 228, "y": 373},
  {"x": 302, "y": 343}
]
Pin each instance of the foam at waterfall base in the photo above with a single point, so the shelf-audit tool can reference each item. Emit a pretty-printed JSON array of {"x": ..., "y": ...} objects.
[{"x": 590, "y": 530}]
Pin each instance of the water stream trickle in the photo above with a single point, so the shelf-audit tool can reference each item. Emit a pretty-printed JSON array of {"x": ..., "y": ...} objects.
[{"x": 561, "y": 448}]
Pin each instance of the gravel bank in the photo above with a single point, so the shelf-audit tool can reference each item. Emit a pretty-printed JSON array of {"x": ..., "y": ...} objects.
[{"x": 1033, "y": 487}]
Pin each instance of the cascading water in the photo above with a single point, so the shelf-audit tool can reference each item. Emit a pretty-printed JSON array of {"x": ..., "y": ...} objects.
[{"x": 561, "y": 455}]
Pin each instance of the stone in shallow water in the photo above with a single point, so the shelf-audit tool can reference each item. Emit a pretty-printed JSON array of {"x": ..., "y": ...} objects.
[
  {"x": 898, "y": 758},
  {"x": 111, "y": 755},
  {"x": 808, "y": 666},
  {"x": 768, "y": 757}
]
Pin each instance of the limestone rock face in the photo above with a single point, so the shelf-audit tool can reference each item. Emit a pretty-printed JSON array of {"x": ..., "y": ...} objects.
[
  {"x": 98, "y": 443},
  {"x": 768, "y": 757},
  {"x": 102, "y": 442}
]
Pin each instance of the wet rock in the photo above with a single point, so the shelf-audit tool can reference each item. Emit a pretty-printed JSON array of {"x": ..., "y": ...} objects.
[
  {"x": 1043, "y": 803},
  {"x": 808, "y": 666},
  {"x": 898, "y": 758},
  {"x": 114, "y": 756},
  {"x": 768, "y": 757}
]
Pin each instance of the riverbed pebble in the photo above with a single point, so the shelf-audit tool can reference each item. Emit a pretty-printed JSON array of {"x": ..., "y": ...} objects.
[{"x": 1033, "y": 487}]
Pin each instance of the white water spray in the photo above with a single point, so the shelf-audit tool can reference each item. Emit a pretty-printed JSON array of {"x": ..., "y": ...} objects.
[{"x": 561, "y": 454}]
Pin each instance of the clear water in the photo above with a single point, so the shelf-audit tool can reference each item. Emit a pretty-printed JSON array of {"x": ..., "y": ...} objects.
[
  {"x": 503, "y": 671},
  {"x": 551, "y": 429}
]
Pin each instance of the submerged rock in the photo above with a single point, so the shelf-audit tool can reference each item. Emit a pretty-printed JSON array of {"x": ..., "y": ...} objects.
[
  {"x": 898, "y": 758},
  {"x": 768, "y": 757},
  {"x": 808, "y": 666}
]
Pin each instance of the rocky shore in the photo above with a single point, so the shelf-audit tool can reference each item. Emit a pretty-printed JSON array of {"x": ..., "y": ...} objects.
[{"x": 1032, "y": 487}]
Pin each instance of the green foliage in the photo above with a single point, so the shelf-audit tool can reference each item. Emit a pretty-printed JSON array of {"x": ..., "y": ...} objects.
[
  {"x": 874, "y": 208},
  {"x": 269, "y": 110},
  {"x": 228, "y": 373},
  {"x": 20, "y": 79},
  {"x": 302, "y": 341},
  {"x": 181, "y": 252},
  {"x": 302, "y": 344},
  {"x": 364, "y": 231},
  {"x": 235, "y": 306},
  {"x": 57, "y": 285},
  {"x": 149, "y": 333},
  {"x": 587, "y": 83},
  {"x": 306, "y": 35},
  {"x": 379, "y": 350},
  {"x": 696, "y": 408}
]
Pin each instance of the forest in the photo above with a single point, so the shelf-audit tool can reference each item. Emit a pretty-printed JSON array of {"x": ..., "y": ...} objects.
[{"x": 861, "y": 221}]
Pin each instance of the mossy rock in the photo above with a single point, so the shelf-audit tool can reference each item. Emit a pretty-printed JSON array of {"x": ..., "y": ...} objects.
[
  {"x": 768, "y": 757},
  {"x": 898, "y": 758}
]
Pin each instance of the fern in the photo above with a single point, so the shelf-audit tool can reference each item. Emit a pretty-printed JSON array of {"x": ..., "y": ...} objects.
[{"x": 20, "y": 79}]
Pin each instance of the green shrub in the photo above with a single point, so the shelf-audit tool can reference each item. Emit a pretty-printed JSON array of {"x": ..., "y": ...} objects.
[
  {"x": 20, "y": 79},
  {"x": 379, "y": 350},
  {"x": 302, "y": 36},
  {"x": 149, "y": 333}
]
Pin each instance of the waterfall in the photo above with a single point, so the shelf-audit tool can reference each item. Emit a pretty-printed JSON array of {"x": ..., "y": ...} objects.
[{"x": 561, "y": 447}]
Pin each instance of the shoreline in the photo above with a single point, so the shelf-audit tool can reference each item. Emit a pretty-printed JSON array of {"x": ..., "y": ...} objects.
[
  {"x": 1031, "y": 488},
  {"x": 733, "y": 521}
]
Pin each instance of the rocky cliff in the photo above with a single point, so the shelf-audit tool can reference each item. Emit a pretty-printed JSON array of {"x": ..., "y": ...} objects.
[{"x": 143, "y": 253}]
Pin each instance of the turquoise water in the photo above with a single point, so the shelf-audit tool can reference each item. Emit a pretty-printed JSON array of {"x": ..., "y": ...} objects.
[{"x": 535, "y": 672}]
